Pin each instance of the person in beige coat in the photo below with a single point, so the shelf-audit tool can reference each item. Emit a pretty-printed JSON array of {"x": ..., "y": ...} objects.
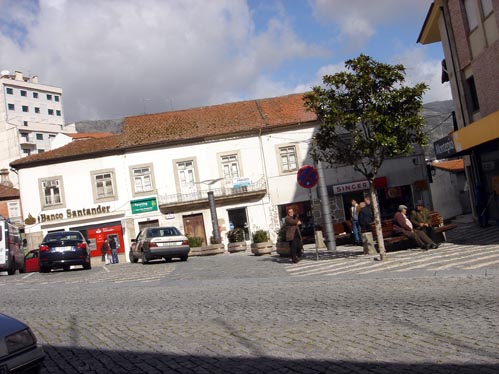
[{"x": 293, "y": 235}]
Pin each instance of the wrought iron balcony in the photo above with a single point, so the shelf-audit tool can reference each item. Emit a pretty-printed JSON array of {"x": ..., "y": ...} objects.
[{"x": 223, "y": 196}]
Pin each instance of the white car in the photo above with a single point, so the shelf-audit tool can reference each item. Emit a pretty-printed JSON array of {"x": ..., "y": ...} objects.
[{"x": 19, "y": 352}]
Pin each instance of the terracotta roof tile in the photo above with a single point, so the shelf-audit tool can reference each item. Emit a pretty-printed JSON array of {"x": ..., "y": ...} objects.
[
  {"x": 184, "y": 125},
  {"x": 8, "y": 193},
  {"x": 89, "y": 135},
  {"x": 450, "y": 165}
]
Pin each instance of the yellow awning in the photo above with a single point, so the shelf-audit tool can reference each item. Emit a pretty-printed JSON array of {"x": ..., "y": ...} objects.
[
  {"x": 430, "y": 32},
  {"x": 479, "y": 132}
]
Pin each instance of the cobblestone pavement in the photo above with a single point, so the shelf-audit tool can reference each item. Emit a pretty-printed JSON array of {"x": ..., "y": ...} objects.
[{"x": 239, "y": 313}]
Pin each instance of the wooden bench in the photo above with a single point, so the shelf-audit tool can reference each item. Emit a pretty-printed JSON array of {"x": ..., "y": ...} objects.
[{"x": 391, "y": 238}]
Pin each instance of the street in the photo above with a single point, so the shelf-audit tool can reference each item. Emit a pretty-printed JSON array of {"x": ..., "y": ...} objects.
[{"x": 239, "y": 313}]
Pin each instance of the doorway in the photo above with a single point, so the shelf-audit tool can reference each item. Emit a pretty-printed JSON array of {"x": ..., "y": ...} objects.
[
  {"x": 194, "y": 226},
  {"x": 238, "y": 219},
  {"x": 146, "y": 224}
]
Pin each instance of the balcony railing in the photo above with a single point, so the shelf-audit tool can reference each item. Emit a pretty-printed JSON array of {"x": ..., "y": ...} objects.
[{"x": 219, "y": 193}]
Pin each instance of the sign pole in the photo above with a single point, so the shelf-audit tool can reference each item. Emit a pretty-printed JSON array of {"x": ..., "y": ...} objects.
[
  {"x": 307, "y": 177},
  {"x": 313, "y": 224}
]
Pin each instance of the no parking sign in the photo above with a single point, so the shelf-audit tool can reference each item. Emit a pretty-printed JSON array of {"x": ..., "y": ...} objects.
[{"x": 307, "y": 176}]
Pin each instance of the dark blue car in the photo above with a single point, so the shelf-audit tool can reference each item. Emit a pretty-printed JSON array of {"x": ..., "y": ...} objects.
[{"x": 62, "y": 250}]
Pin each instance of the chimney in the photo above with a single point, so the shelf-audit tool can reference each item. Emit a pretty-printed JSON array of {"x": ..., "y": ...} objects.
[
  {"x": 34, "y": 79},
  {"x": 19, "y": 76},
  {"x": 4, "y": 178}
]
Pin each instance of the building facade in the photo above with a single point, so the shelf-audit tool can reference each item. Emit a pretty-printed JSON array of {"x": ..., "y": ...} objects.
[
  {"x": 31, "y": 114},
  {"x": 159, "y": 171},
  {"x": 469, "y": 33}
]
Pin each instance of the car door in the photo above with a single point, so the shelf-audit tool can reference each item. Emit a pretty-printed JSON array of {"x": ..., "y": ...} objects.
[
  {"x": 135, "y": 244},
  {"x": 31, "y": 262}
]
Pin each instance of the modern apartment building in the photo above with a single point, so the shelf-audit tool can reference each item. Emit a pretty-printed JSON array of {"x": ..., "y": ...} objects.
[
  {"x": 469, "y": 33},
  {"x": 31, "y": 115}
]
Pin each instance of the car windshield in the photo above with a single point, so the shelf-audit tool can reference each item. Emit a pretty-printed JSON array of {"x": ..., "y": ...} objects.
[
  {"x": 163, "y": 231},
  {"x": 58, "y": 236}
]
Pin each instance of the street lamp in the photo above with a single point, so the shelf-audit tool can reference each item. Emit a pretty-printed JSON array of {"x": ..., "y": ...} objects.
[{"x": 213, "y": 208}]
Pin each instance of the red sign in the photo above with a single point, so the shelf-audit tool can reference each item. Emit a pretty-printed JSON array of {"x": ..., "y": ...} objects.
[{"x": 307, "y": 176}]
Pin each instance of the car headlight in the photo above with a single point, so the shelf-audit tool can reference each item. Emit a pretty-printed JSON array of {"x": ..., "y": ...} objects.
[{"x": 20, "y": 340}]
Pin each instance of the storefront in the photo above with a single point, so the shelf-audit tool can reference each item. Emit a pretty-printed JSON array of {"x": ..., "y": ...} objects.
[{"x": 96, "y": 234}]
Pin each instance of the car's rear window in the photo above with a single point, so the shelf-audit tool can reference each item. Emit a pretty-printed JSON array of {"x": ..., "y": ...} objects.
[
  {"x": 163, "y": 231},
  {"x": 57, "y": 236}
]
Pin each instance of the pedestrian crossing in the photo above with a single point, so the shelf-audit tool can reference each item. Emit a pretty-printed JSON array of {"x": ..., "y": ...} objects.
[
  {"x": 351, "y": 261},
  {"x": 111, "y": 274}
]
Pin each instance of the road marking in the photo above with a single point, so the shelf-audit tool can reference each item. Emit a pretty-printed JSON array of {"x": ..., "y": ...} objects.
[
  {"x": 481, "y": 265},
  {"x": 28, "y": 275},
  {"x": 106, "y": 269},
  {"x": 464, "y": 262}
]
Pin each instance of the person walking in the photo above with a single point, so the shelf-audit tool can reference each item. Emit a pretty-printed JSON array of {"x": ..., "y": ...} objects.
[
  {"x": 421, "y": 220},
  {"x": 402, "y": 225},
  {"x": 293, "y": 235},
  {"x": 104, "y": 249},
  {"x": 114, "y": 251},
  {"x": 354, "y": 216},
  {"x": 365, "y": 221}
]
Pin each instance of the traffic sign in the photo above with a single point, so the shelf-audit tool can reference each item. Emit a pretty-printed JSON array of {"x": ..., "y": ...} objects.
[{"x": 307, "y": 176}]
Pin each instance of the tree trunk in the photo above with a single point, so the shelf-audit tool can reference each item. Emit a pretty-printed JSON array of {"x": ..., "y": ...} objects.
[{"x": 377, "y": 221}]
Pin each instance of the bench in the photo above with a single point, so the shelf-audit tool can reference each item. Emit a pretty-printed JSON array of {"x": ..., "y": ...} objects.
[{"x": 393, "y": 239}]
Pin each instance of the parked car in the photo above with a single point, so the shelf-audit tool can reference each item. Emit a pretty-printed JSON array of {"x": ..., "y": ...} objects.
[
  {"x": 62, "y": 249},
  {"x": 31, "y": 261},
  {"x": 19, "y": 352},
  {"x": 159, "y": 242},
  {"x": 11, "y": 252}
]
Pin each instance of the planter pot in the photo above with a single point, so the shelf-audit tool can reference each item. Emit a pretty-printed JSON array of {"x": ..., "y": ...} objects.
[
  {"x": 282, "y": 249},
  {"x": 236, "y": 247},
  {"x": 259, "y": 249},
  {"x": 207, "y": 250}
]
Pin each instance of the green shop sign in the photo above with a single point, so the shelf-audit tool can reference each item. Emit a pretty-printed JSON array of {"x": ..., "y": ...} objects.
[{"x": 144, "y": 205}]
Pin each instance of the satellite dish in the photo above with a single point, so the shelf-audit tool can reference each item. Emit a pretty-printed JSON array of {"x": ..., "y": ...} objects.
[{"x": 4, "y": 72}]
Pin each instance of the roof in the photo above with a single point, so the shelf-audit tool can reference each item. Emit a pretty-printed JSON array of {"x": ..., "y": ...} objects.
[
  {"x": 8, "y": 193},
  {"x": 184, "y": 126},
  {"x": 430, "y": 32},
  {"x": 450, "y": 165},
  {"x": 88, "y": 135}
]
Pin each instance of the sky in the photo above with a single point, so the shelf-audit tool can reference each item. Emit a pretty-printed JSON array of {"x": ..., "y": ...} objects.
[{"x": 116, "y": 58}]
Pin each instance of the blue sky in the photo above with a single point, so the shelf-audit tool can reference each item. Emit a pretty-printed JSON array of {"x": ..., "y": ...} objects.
[{"x": 116, "y": 58}]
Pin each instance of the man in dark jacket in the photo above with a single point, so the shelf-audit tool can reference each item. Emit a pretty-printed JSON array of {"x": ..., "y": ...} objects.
[
  {"x": 293, "y": 235},
  {"x": 421, "y": 220},
  {"x": 402, "y": 225},
  {"x": 365, "y": 221}
]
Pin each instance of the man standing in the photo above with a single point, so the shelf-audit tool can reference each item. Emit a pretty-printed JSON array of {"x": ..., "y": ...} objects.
[
  {"x": 402, "y": 225},
  {"x": 103, "y": 249},
  {"x": 365, "y": 221},
  {"x": 354, "y": 214},
  {"x": 114, "y": 251},
  {"x": 421, "y": 220},
  {"x": 293, "y": 235}
]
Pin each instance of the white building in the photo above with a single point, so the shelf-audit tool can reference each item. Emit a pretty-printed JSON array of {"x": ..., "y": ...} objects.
[
  {"x": 31, "y": 114},
  {"x": 159, "y": 170}
]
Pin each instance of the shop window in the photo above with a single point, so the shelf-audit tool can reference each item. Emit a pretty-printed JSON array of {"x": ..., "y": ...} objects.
[{"x": 288, "y": 158}]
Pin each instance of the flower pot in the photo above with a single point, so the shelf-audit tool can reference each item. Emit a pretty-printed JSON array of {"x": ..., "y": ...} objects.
[
  {"x": 282, "y": 249},
  {"x": 259, "y": 249},
  {"x": 207, "y": 250},
  {"x": 236, "y": 247}
]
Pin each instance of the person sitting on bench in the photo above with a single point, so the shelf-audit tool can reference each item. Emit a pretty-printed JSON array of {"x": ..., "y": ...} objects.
[
  {"x": 403, "y": 226},
  {"x": 421, "y": 220}
]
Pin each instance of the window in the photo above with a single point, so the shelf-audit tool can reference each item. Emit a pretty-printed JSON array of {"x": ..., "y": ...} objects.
[
  {"x": 49, "y": 97},
  {"x": 51, "y": 136},
  {"x": 58, "y": 112},
  {"x": 39, "y": 136},
  {"x": 487, "y": 7},
  {"x": 27, "y": 152},
  {"x": 25, "y": 123},
  {"x": 56, "y": 98},
  {"x": 142, "y": 179},
  {"x": 9, "y": 91},
  {"x": 51, "y": 112},
  {"x": 24, "y": 93},
  {"x": 11, "y": 107},
  {"x": 35, "y": 95},
  {"x": 473, "y": 96},
  {"x": 469, "y": 6},
  {"x": 186, "y": 176},
  {"x": 41, "y": 150},
  {"x": 51, "y": 192},
  {"x": 14, "y": 211},
  {"x": 25, "y": 108},
  {"x": 288, "y": 158},
  {"x": 37, "y": 110},
  {"x": 25, "y": 135},
  {"x": 104, "y": 185},
  {"x": 230, "y": 168}
]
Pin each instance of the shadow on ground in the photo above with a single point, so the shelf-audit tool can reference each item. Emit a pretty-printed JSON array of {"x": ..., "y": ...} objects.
[{"x": 78, "y": 360}]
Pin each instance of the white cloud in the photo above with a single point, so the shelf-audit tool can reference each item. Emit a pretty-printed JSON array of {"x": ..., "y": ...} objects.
[{"x": 115, "y": 58}]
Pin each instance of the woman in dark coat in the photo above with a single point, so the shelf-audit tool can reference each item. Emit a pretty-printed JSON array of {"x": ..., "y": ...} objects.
[
  {"x": 103, "y": 249},
  {"x": 293, "y": 235}
]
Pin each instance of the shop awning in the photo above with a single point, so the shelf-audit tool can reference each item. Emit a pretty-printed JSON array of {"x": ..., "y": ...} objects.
[{"x": 479, "y": 132}]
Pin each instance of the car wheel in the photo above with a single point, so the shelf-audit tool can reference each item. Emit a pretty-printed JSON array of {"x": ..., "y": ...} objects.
[
  {"x": 87, "y": 266},
  {"x": 144, "y": 258},
  {"x": 66, "y": 267},
  {"x": 133, "y": 259},
  {"x": 22, "y": 270},
  {"x": 168, "y": 259},
  {"x": 12, "y": 269},
  {"x": 184, "y": 258}
]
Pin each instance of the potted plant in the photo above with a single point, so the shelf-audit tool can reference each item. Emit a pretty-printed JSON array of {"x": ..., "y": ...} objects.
[
  {"x": 282, "y": 246},
  {"x": 261, "y": 243},
  {"x": 236, "y": 241},
  {"x": 195, "y": 243}
]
